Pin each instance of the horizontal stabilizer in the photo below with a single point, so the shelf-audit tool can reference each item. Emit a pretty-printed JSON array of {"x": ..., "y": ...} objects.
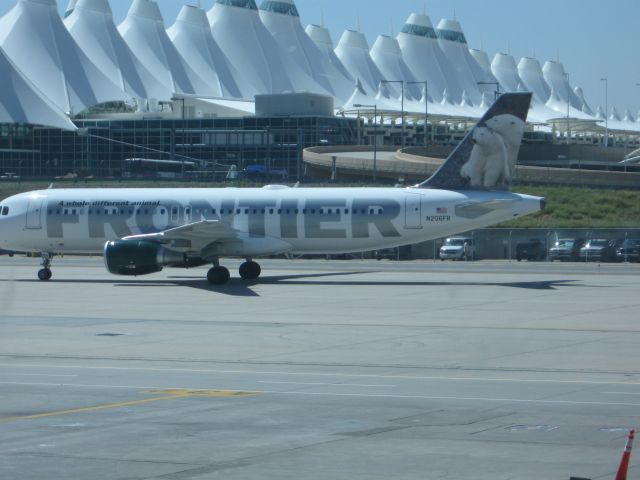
[{"x": 473, "y": 210}]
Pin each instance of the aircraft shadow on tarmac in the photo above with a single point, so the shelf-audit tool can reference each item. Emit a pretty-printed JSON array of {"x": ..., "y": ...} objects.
[{"x": 243, "y": 288}]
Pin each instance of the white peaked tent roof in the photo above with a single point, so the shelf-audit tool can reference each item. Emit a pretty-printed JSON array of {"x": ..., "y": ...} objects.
[
  {"x": 307, "y": 67},
  {"x": 614, "y": 115},
  {"x": 454, "y": 45},
  {"x": 386, "y": 100},
  {"x": 530, "y": 72},
  {"x": 555, "y": 76},
  {"x": 192, "y": 37},
  {"x": 505, "y": 70},
  {"x": 90, "y": 23},
  {"x": 21, "y": 102},
  {"x": 143, "y": 30},
  {"x": 368, "y": 100},
  {"x": 436, "y": 109},
  {"x": 560, "y": 105},
  {"x": 621, "y": 126},
  {"x": 585, "y": 106},
  {"x": 250, "y": 47},
  {"x": 353, "y": 52},
  {"x": 359, "y": 97},
  {"x": 343, "y": 81},
  {"x": 54, "y": 62},
  {"x": 387, "y": 56},
  {"x": 422, "y": 54},
  {"x": 482, "y": 58}
]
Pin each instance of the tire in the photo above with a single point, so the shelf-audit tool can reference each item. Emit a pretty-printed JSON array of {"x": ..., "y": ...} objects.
[
  {"x": 250, "y": 270},
  {"x": 218, "y": 276},
  {"x": 44, "y": 274}
]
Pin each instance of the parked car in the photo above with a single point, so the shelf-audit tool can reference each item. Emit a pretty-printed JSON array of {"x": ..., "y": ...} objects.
[
  {"x": 10, "y": 176},
  {"x": 534, "y": 249},
  {"x": 6, "y": 252},
  {"x": 453, "y": 249},
  {"x": 566, "y": 249},
  {"x": 260, "y": 173},
  {"x": 629, "y": 250},
  {"x": 599, "y": 250}
]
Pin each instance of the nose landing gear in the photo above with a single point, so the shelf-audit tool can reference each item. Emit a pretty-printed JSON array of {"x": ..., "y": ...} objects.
[{"x": 44, "y": 273}]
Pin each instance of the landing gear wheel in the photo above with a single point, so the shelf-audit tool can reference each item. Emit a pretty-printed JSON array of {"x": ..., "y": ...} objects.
[
  {"x": 218, "y": 276},
  {"x": 250, "y": 270},
  {"x": 44, "y": 274}
]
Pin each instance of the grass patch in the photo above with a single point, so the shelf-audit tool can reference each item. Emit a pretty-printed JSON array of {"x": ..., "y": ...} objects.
[{"x": 573, "y": 207}]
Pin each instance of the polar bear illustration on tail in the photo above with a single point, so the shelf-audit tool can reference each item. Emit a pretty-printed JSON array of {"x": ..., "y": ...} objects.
[
  {"x": 495, "y": 149},
  {"x": 486, "y": 157}
]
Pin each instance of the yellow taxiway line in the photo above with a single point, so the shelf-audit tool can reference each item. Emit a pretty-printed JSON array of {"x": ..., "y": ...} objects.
[{"x": 169, "y": 394}]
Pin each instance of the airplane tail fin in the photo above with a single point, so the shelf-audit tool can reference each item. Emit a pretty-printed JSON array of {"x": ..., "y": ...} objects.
[{"x": 486, "y": 157}]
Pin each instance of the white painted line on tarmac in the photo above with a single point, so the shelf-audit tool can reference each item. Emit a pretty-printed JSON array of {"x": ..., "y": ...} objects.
[
  {"x": 620, "y": 393},
  {"x": 475, "y": 399},
  {"x": 38, "y": 375},
  {"x": 83, "y": 385},
  {"x": 328, "y": 384},
  {"x": 355, "y": 395},
  {"x": 326, "y": 374}
]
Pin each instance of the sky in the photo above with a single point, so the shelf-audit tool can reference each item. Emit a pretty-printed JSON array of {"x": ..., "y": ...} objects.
[{"x": 594, "y": 39}]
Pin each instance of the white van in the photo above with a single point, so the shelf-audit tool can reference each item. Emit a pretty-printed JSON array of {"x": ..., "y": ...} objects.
[{"x": 453, "y": 249}]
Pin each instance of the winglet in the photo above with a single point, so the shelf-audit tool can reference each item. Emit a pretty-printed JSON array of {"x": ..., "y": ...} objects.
[{"x": 486, "y": 157}]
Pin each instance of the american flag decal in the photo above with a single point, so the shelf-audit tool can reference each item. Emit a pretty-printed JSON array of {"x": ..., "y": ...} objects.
[{"x": 441, "y": 210}]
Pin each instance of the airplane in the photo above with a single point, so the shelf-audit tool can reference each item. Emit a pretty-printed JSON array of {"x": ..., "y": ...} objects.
[{"x": 141, "y": 230}]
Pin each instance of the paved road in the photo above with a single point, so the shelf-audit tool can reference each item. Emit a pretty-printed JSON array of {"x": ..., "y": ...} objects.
[{"x": 342, "y": 370}]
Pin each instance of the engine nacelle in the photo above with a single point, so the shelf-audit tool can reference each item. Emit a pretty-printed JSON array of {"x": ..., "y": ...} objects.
[{"x": 141, "y": 257}]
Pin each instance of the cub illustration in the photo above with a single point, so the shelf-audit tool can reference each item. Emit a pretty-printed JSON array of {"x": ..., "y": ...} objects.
[{"x": 493, "y": 157}]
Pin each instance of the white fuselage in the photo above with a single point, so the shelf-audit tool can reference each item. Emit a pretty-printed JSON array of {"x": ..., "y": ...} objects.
[{"x": 269, "y": 220}]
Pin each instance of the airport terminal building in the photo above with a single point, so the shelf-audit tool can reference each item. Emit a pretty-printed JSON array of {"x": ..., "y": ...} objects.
[{"x": 246, "y": 84}]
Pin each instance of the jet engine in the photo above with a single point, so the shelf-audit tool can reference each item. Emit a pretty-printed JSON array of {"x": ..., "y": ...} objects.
[{"x": 141, "y": 257}]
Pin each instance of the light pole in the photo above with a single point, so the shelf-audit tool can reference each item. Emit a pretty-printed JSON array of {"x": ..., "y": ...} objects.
[
  {"x": 638, "y": 116},
  {"x": 401, "y": 82},
  {"x": 568, "y": 98},
  {"x": 375, "y": 137},
  {"x": 426, "y": 110},
  {"x": 174, "y": 99},
  {"x": 606, "y": 111},
  {"x": 496, "y": 92}
]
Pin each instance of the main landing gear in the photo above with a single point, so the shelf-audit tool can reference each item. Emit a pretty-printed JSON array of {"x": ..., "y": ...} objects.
[
  {"x": 44, "y": 273},
  {"x": 250, "y": 270},
  {"x": 219, "y": 275}
]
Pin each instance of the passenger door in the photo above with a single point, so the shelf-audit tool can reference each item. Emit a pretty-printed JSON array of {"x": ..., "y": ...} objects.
[
  {"x": 412, "y": 211},
  {"x": 34, "y": 213}
]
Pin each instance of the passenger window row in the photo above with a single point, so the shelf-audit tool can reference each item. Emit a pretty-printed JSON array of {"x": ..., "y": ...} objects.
[
  {"x": 100, "y": 211},
  {"x": 238, "y": 211}
]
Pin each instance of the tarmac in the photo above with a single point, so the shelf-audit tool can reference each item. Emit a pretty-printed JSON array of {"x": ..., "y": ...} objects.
[{"x": 353, "y": 369}]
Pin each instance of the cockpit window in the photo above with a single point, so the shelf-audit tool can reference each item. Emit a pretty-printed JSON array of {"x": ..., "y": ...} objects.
[{"x": 5, "y": 210}]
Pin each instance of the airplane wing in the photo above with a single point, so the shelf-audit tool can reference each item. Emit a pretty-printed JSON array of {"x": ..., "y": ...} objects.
[
  {"x": 193, "y": 236},
  {"x": 473, "y": 210}
]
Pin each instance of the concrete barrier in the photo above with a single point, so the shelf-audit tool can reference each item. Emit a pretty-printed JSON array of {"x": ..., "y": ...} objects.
[{"x": 414, "y": 168}]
